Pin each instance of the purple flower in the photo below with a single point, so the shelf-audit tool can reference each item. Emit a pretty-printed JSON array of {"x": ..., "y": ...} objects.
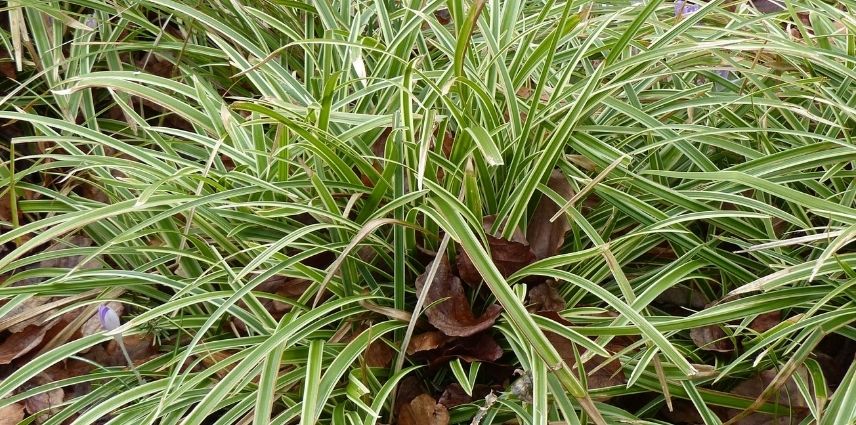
[
  {"x": 682, "y": 8},
  {"x": 109, "y": 319},
  {"x": 724, "y": 73}
]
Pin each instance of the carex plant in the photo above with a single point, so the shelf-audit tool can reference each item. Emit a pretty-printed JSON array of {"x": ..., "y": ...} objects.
[{"x": 207, "y": 147}]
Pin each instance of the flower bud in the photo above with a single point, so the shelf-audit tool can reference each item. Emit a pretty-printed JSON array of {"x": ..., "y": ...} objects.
[{"x": 109, "y": 319}]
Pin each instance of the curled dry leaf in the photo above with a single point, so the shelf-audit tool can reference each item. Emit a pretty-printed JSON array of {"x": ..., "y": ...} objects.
[
  {"x": 544, "y": 297},
  {"x": 449, "y": 309},
  {"x": 509, "y": 256},
  {"x": 423, "y": 410},
  {"x": 711, "y": 338},
  {"x": 546, "y": 237},
  {"x": 11, "y": 414}
]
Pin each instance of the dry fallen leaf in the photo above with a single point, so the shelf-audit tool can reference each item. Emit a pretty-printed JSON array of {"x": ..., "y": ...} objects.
[
  {"x": 477, "y": 348},
  {"x": 509, "y": 256},
  {"x": 11, "y": 414},
  {"x": 454, "y": 395},
  {"x": 423, "y": 410},
  {"x": 544, "y": 297},
  {"x": 711, "y": 338},
  {"x": 379, "y": 354},
  {"x": 409, "y": 388},
  {"x": 792, "y": 407},
  {"x": 44, "y": 403},
  {"x": 28, "y": 311},
  {"x": 426, "y": 341},
  {"x": 766, "y": 321},
  {"x": 599, "y": 374},
  {"x": 682, "y": 296},
  {"x": 5, "y": 208},
  {"x": 768, "y": 6},
  {"x": 140, "y": 348},
  {"x": 438, "y": 348},
  {"x": 683, "y": 413},
  {"x": 443, "y": 16},
  {"x": 21, "y": 343},
  {"x": 546, "y": 237},
  {"x": 449, "y": 309}
]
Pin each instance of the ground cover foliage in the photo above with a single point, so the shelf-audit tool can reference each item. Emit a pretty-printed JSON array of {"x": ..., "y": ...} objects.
[{"x": 427, "y": 212}]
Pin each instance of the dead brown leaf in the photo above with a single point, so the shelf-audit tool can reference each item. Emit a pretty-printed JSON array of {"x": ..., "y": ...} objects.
[
  {"x": 6, "y": 208},
  {"x": 408, "y": 389},
  {"x": 767, "y": 6},
  {"x": 24, "y": 315},
  {"x": 11, "y": 414},
  {"x": 454, "y": 394},
  {"x": 140, "y": 348},
  {"x": 711, "y": 338},
  {"x": 509, "y": 256},
  {"x": 379, "y": 354},
  {"x": 600, "y": 372},
  {"x": 766, "y": 321},
  {"x": 792, "y": 407},
  {"x": 544, "y": 297},
  {"x": 683, "y": 413},
  {"x": 682, "y": 296},
  {"x": 285, "y": 287},
  {"x": 546, "y": 237},
  {"x": 426, "y": 341},
  {"x": 438, "y": 348},
  {"x": 443, "y": 16},
  {"x": 46, "y": 402},
  {"x": 21, "y": 343},
  {"x": 423, "y": 410},
  {"x": 477, "y": 348},
  {"x": 449, "y": 309}
]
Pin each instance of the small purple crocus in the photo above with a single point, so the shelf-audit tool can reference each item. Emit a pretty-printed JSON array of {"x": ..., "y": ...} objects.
[
  {"x": 683, "y": 8},
  {"x": 109, "y": 319}
]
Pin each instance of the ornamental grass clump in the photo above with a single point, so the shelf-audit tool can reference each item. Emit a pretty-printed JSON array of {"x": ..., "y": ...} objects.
[{"x": 427, "y": 212}]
